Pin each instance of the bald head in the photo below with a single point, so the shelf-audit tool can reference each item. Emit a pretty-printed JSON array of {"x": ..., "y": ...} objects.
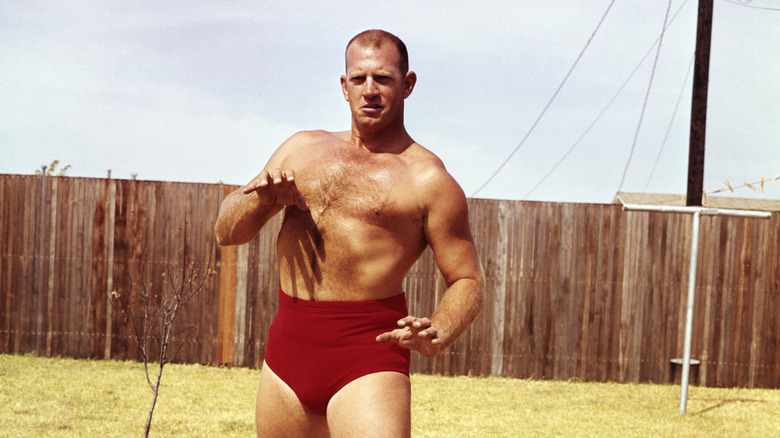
[{"x": 376, "y": 38}]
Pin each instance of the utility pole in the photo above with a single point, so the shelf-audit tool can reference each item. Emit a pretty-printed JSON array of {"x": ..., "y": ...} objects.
[{"x": 701, "y": 71}]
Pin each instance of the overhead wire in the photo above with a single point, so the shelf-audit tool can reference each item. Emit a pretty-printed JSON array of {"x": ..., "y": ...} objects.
[
  {"x": 647, "y": 97},
  {"x": 587, "y": 130},
  {"x": 614, "y": 97},
  {"x": 671, "y": 122},
  {"x": 514, "y": 151},
  {"x": 745, "y": 4},
  {"x": 756, "y": 186},
  {"x": 604, "y": 110}
]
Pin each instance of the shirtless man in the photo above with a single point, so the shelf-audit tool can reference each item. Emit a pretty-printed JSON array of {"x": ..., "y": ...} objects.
[{"x": 359, "y": 207}]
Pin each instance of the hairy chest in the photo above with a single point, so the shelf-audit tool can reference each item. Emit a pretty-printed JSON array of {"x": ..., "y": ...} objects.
[{"x": 372, "y": 190}]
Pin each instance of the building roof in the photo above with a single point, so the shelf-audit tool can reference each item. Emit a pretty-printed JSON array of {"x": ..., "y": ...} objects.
[{"x": 707, "y": 201}]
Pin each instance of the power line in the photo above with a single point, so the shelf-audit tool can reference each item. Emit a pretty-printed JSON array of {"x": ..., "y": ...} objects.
[
  {"x": 548, "y": 103},
  {"x": 606, "y": 107},
  {"x": 647, "y": 96},
  {"x": 745, "y": 4},
  {"x": 671, "y": 122},
  {"x": 756, "y": 186},
  {"x": 587, "y": 130}
]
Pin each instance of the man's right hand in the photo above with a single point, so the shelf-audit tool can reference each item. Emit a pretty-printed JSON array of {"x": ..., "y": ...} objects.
[{"x": 279, "y": 186}]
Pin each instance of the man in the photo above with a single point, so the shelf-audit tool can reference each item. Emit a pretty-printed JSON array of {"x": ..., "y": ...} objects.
[{"x": 359, "y": 207}]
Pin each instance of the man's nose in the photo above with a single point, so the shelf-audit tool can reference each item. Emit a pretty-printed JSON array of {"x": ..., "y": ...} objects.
[{"x": 370, "y": 88}]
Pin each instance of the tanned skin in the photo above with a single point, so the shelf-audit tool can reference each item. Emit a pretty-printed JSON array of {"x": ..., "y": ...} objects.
[{"x": 360, "y": 207}]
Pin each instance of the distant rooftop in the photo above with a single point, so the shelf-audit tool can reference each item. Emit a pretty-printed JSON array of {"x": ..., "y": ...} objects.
[{"x": 707, "y": 201}]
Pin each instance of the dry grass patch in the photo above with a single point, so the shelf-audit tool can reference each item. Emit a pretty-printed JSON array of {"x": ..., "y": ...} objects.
[
  {"x": 480, "y": 407},
  {"x": 74, "y": 398},
  {"x": 77, "y": 398}
]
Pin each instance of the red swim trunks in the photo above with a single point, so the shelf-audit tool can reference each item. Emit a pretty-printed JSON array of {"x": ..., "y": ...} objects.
[{"x": 317, "y": 347}]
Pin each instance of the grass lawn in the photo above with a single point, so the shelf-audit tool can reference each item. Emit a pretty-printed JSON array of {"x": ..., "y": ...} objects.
[{"x": 41, "y": 397}]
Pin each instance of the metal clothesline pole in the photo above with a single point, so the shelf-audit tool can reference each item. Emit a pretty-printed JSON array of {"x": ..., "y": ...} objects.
[
  {"x": 697, "y": 212},
  {"x": 686, "y": 365}
]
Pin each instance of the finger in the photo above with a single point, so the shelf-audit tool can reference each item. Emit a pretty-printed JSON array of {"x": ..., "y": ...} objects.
[
  {"x": 429, "y": 332},
  {"x": 301, "y": 203},
  {"x": 387, "y": 337},
  {"x": 406, "y": 321},
  {"x": 261, "y": 180},
  {"x": 421, "y": 323},
  {"x": 288, "y": 175},
  {"x": 276, "y": 176}
]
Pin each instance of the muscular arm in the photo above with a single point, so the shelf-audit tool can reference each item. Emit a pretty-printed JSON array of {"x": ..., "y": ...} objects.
[
  {"x": 449, "y": 235},
  {"x": 244, "y": 212},
  {"x": 242, "y": 215}
]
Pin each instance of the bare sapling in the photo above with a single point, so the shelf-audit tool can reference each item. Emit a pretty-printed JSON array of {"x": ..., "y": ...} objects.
[{"x": 154, "y": 331}]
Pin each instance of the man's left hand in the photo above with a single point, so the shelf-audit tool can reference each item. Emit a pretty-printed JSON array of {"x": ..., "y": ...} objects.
[{"x": 415, "y": 334}]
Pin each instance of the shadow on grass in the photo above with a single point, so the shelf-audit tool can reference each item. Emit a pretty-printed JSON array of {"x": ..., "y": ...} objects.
[{"x": 722, "y": 403}]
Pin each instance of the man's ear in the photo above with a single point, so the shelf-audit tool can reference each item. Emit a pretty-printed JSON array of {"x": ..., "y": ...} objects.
[
  {"x": 409, "y": 81},
  {"x": 344, "y": 88}
]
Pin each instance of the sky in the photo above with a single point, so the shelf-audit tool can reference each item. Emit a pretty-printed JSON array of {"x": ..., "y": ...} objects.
[{"x": 204, "y": 91}]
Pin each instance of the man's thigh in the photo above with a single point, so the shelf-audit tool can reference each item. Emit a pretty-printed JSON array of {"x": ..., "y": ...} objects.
[
  {"x": 279, "y": 413},
  {"x": 376, "y": 405}
]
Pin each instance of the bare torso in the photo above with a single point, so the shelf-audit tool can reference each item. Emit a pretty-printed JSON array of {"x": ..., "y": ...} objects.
[
  {"x": 360, "y": 207},
  {"x": 365, "y": 224}
]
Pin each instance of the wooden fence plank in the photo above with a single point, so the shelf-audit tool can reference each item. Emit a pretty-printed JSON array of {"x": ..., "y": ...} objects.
[
  {"x": 769, "y": 361},
  {"x": 6, "y": 260},
  {"x": 111, "y": 230},
  {"x": 240, "y": 327},
  {"x": 227, "y": 302},
  {"x": 500, "y": 261},
  {"x": 6, "y": 224}
]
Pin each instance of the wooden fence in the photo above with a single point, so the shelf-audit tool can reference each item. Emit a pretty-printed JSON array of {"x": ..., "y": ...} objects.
[{"x": 574, "y": 290}]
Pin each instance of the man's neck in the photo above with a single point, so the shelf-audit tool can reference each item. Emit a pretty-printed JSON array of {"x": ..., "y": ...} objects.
[{"x": 393, "y": 141}]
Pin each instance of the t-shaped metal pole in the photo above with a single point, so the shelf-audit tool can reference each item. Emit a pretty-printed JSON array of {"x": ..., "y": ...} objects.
[{"x": 697, "y": 212}]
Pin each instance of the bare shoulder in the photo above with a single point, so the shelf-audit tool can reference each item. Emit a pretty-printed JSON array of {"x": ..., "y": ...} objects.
[
  {"x": 432, "y": 177},
  {"x": 300, "y": 143},
  {"x": 309, "y": 138}
]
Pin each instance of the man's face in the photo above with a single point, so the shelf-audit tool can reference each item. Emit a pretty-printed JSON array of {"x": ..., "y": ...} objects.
[{"x": 374, "y": 85}]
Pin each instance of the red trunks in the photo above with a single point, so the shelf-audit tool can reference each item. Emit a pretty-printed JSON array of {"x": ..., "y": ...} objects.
[{"x": 317, "y": 347}]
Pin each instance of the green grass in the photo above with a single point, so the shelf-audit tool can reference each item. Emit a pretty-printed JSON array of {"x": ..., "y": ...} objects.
[{"x": 42, "y": 397}]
